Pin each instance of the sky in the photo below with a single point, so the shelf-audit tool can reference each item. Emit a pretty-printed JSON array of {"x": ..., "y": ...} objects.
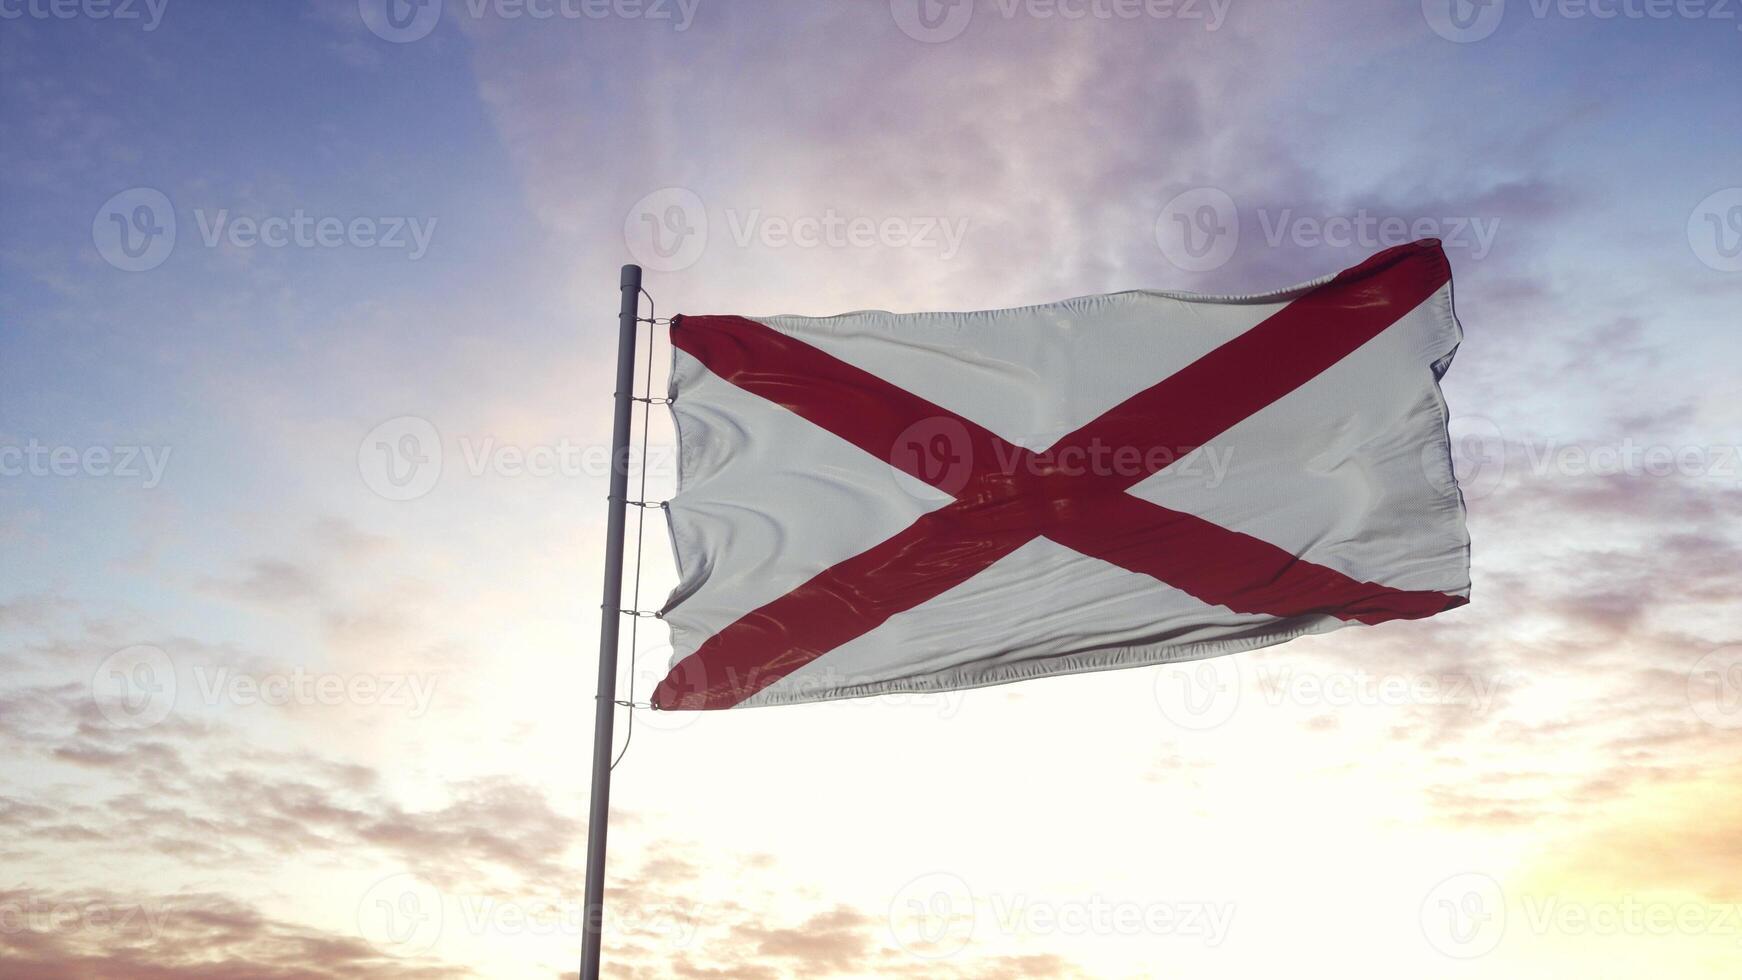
[{"x": 307, "y": 327}]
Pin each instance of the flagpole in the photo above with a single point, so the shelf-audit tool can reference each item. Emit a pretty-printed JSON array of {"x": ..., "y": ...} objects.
[{"x": 610, "y": 615}]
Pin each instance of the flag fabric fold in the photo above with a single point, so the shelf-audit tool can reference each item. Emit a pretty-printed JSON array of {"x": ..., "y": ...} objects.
[{"x": 877, "y": 502}]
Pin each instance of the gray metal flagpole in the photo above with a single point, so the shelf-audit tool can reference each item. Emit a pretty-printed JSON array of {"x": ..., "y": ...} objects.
[{"x": 610, "y": 616}]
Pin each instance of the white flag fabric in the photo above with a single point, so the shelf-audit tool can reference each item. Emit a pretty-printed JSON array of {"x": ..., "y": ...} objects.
[{"x": 878, "y": 502}]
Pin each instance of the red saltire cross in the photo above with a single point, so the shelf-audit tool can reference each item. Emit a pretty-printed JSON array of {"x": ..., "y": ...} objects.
[{"x": 1008, "y": 496}]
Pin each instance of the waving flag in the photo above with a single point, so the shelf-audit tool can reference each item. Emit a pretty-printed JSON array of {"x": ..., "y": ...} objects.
[{"x": 874, "y": 502}]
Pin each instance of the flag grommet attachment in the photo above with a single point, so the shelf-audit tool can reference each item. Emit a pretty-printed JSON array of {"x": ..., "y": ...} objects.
[{"x": 641, "y": 503}]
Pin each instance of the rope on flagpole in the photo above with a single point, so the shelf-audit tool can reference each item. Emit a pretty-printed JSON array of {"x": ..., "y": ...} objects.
[{"x": 635, "y": 612}]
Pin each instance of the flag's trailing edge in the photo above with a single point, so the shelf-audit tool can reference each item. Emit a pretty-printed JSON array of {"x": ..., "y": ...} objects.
[{"x": 876, "y": 502}]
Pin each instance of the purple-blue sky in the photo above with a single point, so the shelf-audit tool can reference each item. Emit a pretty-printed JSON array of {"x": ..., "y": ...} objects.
[{"x": 301, "y": 532}]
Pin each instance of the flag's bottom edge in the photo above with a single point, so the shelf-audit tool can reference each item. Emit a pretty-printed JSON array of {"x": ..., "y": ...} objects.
[{"x": 1115, "y": 658}]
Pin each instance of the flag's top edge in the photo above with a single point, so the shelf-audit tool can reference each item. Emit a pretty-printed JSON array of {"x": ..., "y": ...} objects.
[{"x": 1428, "y": 249}]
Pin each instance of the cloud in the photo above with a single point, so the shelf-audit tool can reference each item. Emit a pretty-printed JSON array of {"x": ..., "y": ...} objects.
[
  {"x": 271, "y": 582},
  {"x": 343, "y": 539},
  {"x": 835, "y": 940},
  {"x": 61, "y": 935},
  {"x": 34, "y": 610},
  {"x": 1682, "y": 833},
  {"x": 200, "y": 793}
]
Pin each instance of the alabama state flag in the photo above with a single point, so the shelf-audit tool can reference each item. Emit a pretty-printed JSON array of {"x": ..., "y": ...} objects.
[{"x": 879, "y": 502}]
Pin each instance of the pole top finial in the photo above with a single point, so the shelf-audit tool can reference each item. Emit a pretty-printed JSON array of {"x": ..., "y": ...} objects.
[{"x": 631, "y": 276}]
